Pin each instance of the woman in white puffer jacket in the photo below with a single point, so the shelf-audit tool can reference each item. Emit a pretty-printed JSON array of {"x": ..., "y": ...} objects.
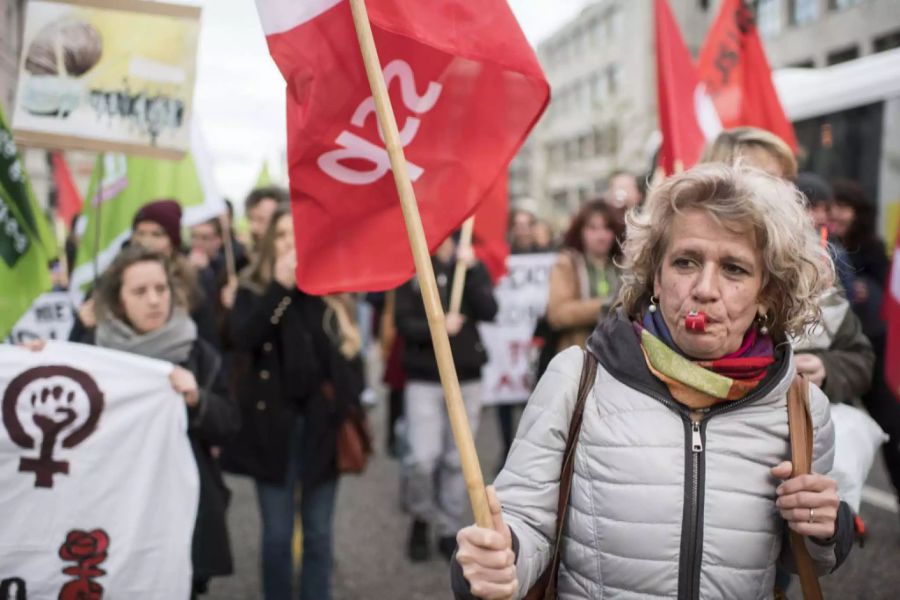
[{"x": 681, "y": 485}]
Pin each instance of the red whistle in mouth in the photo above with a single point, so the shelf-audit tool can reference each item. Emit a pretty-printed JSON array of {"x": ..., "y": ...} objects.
[{"x": 695, "y": 321}]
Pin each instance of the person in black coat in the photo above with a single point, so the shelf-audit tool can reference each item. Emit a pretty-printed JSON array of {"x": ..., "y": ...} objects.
[
  {"x": 853, "y": 219},
  {"x": 435, "y": 489},
  {"x": 294, "y": 388},
  {"x": 139, "y": 310}
]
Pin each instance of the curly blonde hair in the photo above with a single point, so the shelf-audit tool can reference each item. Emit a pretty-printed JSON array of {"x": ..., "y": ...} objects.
[{"x": 796, "y": 268}]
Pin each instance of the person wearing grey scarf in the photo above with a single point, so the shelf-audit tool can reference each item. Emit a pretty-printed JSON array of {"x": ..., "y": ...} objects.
[
  {"x": 140, "y": 312},
  {"x": 172, "y": 342}
]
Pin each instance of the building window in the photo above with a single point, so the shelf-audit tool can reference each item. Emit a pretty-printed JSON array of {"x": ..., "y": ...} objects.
[
  {"x": 804, "y": 12},
  {"x": 553, "y": 157},
  {"x": 614, "y": 23},
  {"x": 599, "y": 143},
  {"x": 578, "y": 46},
  {"x": 886, "y": 42},
  {"x": 704, "y": 4},
  {"x": 560, "y": 201},
  {"x": 768, "y": 17},
  {"x": 614, "y": 79},
  {"x": 596, "y": 32},
  {"x": 842, "y": 4},
  {"x": 571, "y": 151},
  {"x": 599, "y": 90},
  {"x": 802, "y": 64},
  {"x": 845, "y": 54},
  {"x": 585, "y": 150},
  {"x": 612, "y": 138}
]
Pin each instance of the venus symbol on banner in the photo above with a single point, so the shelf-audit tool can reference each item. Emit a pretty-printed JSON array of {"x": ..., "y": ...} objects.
[
  {"x": 61, "y": 404},
  {"x": 353, "y": 147}
]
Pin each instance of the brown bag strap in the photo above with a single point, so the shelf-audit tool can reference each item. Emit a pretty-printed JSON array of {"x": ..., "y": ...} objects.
[
  {"x": 588, "y": 374},
  {"x": 801, "y": 434}
]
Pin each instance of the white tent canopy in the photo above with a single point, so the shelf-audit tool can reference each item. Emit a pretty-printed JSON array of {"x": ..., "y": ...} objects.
[{"x": 807, "y": 93}]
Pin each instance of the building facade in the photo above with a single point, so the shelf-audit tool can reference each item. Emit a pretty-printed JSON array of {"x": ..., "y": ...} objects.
[
  {"x": 821, "y": 33},
  {"x": 601, "y": 67},
  {"x": 11, "y": 21},
  {"x": 602, "y": 113}
]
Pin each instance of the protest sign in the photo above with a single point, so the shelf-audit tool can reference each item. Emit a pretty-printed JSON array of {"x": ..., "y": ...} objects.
[
  {"x": 49, "y": 318},
  {"x": 522, "y": 299},
  {"x": 96, "y": 466},
  {"x": 107, "y": 75}
]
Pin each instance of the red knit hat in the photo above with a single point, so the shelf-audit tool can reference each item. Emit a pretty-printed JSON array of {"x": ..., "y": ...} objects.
[{"x": 166, "y": 214}]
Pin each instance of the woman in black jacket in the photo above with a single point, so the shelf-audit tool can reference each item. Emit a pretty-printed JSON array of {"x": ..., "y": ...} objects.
[
  {"x": 139, "y": 310},
  {"x": 294, "y": 387}
]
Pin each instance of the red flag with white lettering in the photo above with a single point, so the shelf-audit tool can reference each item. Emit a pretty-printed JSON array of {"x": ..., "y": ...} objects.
[
  {"x": 687, "y": 117},
  {"x": 466, "y": 89},
  {"x": 891, "y": 316},
  {"x": 734, "y": 67}
]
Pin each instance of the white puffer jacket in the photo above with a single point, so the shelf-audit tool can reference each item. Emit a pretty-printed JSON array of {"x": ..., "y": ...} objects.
[{"x": 650, "y": 516}]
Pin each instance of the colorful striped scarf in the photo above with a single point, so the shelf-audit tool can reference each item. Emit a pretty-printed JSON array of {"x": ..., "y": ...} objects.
[{"x": 703, "y": 383}]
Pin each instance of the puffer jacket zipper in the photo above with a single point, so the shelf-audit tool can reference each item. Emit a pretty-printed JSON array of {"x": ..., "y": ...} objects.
[
  {"x": 690, "y": 561},
  {"x": 689, "y": 569}
]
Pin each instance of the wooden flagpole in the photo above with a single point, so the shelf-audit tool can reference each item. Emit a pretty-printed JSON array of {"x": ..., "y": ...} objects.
[
  {"x": 459, "y": 274},
  {"x": 459, "y": 422}
]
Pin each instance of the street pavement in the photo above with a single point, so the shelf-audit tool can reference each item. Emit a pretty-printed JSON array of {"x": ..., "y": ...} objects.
[{"x": 370, "y": 534}]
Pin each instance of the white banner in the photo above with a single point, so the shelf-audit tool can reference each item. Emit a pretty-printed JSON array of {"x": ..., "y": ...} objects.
[
  {"x": 522, "y": 299},
  {"x": 49, "y": 318},
  {"x": 98, "y": 484}
]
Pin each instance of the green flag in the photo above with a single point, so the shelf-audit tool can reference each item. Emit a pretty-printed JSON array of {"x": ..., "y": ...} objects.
[
  {"x": 264, "y": 179},
  {"x": 128, "y": 183},
  {"x": 26, "y": 241}
]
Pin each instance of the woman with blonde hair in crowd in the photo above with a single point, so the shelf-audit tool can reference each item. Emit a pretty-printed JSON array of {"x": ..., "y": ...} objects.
[
  {"x": 297, "y": 372},
  {"x": 755, "y": 147},
  {"x": 682, "y": 483}
]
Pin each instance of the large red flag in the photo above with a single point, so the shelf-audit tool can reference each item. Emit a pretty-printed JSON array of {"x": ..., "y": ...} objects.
[
  {"x": 891, "y": 315},
  {"x": 489, "y": 235},
  {"x": 687, "y": 117},
  {"x": 466, "y": 88},
  {"x": 734, "y": 68},
  {"x": 68, "y": 201}
]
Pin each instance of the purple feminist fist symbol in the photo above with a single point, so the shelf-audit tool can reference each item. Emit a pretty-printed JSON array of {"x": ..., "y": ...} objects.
[{"x": 64, "y": 405}]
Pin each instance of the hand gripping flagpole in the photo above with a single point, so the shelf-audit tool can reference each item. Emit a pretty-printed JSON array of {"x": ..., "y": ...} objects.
[{"x": 459, "y": 422}]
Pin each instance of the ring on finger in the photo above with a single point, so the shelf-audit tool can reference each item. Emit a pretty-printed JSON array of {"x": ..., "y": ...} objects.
[{"x": 812, "y": 515}]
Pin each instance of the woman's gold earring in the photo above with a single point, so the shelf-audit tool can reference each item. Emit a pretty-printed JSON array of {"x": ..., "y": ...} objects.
[{"x": 653, "y": 302}]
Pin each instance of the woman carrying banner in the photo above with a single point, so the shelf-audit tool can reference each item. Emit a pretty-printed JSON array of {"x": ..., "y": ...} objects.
[
  {"x": 298, "y": 373},
  {"x": 140, "y": 310},
  {"x": 585, "y": 279},
  {"x": 681, "y": 484}
]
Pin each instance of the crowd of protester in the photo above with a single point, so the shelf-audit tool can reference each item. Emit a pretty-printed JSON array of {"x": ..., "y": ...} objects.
[{"x": 270, "y": 374}]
